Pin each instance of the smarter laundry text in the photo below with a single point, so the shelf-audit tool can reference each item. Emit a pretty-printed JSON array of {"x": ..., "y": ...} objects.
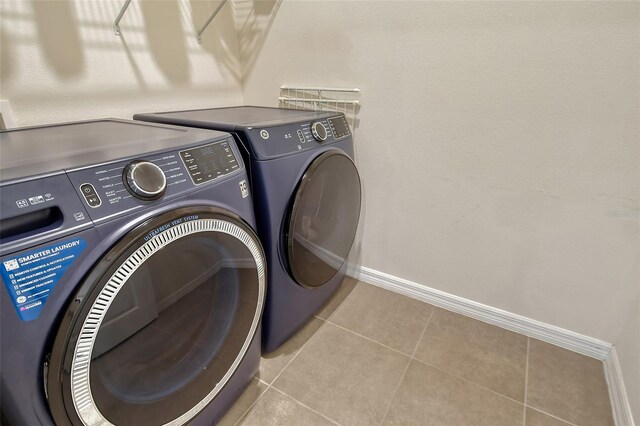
[{"x": 30, "y": 276}]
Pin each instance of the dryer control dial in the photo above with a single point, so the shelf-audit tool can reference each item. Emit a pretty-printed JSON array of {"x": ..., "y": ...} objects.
[
  {"x": 145, "y": 180},
  {"x": 319, "y": 131}
]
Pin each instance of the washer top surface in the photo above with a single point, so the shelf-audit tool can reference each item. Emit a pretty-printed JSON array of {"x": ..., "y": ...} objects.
[
  {"x": 45, "y": 149},
  {"x": 245, "y": 116}
]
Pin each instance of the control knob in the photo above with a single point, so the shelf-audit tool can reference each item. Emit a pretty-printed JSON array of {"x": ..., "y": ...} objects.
[
  {"x": 145, "y": 180},
  {"x": 319, "y": 131}
]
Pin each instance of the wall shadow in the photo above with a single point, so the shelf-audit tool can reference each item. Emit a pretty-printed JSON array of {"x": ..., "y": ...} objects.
[
  {"x": 134, "y": 65},
  {"x": 6, "y": 59},
  {"x": 253, "y": 19},
  {"x": 237, "y": 34},
  {"x": 219, "y": 39},
  {"x": 166, "y": 39},
  {"x": 59, "y": 37}
]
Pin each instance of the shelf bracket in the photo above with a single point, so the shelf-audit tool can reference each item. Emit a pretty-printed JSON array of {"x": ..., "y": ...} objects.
[
  {"x": 204, "y": 27},
  {"x": 116, "y": 23}
]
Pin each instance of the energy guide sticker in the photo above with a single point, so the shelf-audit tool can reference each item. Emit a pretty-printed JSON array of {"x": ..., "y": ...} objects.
[{"x": 31, "y": 275}]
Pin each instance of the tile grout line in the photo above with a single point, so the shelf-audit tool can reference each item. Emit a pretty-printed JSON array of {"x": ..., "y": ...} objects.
[
  {"x": 395, "y": 391},
  {"x": 469, "y": 381},
  {"x": 244, "y": 413},
  {"x": 404, "y": 373},
  {"x": 341, "y": 302},
  {"x": 270, "y": 385},
  {"x": 294, "y": 357},
  {"x": 286, "y": 366},
  {"x": 368, "y": 338},
  {"x": 424, "y": 331},
  {"x": 307, "y": 407},
  {"x": 552, "y": 416},
  {"x": 526, "y": 384},
  {"x": 526, "y": 393}
]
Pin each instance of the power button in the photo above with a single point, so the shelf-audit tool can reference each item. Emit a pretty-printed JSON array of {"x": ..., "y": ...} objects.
[{"x": 90, "y": 195}]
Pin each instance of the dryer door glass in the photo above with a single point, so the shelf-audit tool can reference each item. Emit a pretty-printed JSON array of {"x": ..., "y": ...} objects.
[
  {"x": 323, "y": 219},
  {"x": 169, "y": 317}
]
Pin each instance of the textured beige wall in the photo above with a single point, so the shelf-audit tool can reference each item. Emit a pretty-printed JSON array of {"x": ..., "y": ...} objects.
[
  {"x": 499, "y": 144},
  {"x": 60, "y": 59}
]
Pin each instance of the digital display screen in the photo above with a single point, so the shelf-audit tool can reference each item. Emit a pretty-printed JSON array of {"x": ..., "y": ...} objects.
[
  {"x": 209, "y": 162},
  {"x": 339, "y": 127},
  {"x": 207, "y": 150}
]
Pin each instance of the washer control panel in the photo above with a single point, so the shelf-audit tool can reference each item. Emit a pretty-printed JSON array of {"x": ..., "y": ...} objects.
[
  {"x": 113, "y": 188},
  {"x": 277, "y": 141},
  {"x": 208, "y": 162}
]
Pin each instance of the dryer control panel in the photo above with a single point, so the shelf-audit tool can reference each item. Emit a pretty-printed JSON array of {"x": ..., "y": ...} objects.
[
  {"x": 116, "y": 187},
  {"x": 277, "y": 141}
]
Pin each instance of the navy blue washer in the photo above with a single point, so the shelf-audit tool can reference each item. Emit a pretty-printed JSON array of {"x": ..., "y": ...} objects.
[
  {"x": 120, "y": 308},
  {"x": 307, "y": 202}
]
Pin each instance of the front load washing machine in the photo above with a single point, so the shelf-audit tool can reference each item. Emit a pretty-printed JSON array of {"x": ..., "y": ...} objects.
[
  {"x": 133, "y": 282},
  {"x": 307, "y": 200}
]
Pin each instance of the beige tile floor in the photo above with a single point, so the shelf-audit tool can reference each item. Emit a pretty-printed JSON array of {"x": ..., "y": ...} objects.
[{"x": 373, "y": 357}]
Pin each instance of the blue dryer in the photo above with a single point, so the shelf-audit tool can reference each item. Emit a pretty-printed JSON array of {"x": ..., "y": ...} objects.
[
  {"x": 307, "y": 202},
  {"x": 132, "y": 281}
]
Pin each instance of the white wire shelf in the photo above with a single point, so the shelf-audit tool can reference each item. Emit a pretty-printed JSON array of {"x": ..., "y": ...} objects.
[{"x": 345, "y": 100}]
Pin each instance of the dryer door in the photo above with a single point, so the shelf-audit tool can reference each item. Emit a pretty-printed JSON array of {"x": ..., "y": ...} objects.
[
  {"x": 160, "y": 324},
  {"x": 323, "y": 219}
]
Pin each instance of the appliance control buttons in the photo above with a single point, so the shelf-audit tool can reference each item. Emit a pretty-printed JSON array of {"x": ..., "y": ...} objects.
[
  {"x": 301, "y": 136},
  {"x": 319, "y": 131},
  {"x": 90, "y": 195},
  {"x": 145, "y": 180}
]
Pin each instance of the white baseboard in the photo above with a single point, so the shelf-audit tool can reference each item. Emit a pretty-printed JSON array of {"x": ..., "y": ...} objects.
[
  {"x": 617, "y": 392},
  {"x": 555, "y": 335}
]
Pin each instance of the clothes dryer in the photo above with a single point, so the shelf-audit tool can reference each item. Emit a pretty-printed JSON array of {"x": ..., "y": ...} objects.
[
  {"x": 133, "y": 281},
  {"x": 307, "y": 199}
]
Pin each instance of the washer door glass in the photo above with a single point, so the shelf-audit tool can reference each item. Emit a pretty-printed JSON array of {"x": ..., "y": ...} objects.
[
  {"x": 167, "y": 323},
  {"x": 323, "y": 219}
]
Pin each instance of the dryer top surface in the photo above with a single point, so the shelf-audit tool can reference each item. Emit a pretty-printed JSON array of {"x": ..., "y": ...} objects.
[{"x": 241, "y": 116}]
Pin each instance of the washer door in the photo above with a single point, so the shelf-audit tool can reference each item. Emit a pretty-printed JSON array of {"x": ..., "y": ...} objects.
[
  {"x": 323, "y": 219},
  {"x": 161, "y": 323}
]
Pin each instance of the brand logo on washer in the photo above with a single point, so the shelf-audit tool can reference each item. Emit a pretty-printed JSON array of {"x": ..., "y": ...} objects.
[
  {"x": 264, "y": 134},
  {"x": 244, "y": 189}
]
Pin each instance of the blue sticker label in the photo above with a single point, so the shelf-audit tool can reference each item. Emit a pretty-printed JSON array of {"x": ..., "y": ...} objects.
[{"x": 30, "y": 276}]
